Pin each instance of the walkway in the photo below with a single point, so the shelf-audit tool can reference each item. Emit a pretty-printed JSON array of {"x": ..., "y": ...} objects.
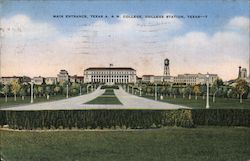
[
  {"x": 128, "y": 101},
  {"x": 136, "y": 102}
]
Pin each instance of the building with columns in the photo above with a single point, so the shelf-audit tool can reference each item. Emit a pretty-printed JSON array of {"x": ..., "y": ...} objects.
[{"x": 109, "y": 75}]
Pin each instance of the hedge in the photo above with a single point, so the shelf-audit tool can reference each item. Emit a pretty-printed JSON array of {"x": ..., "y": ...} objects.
[{"x": 91, "y": 119}]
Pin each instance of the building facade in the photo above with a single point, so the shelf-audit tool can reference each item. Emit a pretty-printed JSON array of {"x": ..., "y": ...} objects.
[
  {"x": 192, "y": 79},
  {"x": 9, "y": 80},
  {"x": 63, "y": 76},
  {"x": 38, "y": 80},
  {"x": 109, "y": 75},
  {"x": 51, "y": 80},
  {"x": 76, "y": 79}
]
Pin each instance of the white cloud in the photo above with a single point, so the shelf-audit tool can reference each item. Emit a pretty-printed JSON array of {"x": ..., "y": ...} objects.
[
  {"x": 240, "y": 23},
  {"x": 219, "y": 53},
  {"x": 21, "y": 26},
  {"x": 140, "y": 43}
]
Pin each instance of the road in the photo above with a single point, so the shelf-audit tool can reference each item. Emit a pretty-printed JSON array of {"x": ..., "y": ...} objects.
[{"x": 128, "y": 101}]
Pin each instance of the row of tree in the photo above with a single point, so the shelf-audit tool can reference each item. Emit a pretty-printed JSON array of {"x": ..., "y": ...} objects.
[
  {"x": 17, "y": 89},
  {"x": 240, "y": 89}
]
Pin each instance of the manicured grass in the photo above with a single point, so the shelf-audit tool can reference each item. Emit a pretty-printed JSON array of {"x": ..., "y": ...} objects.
[
  {"x": 167, "y": 144},
  {"x": 108, "y": 97},
  {"x": 201, "y": 103},
  {"x": 19, "y": 100}
]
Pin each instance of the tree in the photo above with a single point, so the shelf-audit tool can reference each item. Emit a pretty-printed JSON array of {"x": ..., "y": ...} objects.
[
  {"x": 216, "y": 87},
  {"x": 57, "y": 89},
  {"x": 47, "y": 91},
  {"x": 203, "y": 90},
  {"x": 189, "y": 91},
  {"x": 15, "y": 88},
  {"x": 183, "y": 91},
  {"x": 23, "y": 92},
  {"x": 196, "y": 90},
  {"x": 149, "y": 90},
  {"x": 74, "y": 88},
  {"x": 35, "y": 91},
  {"x": 40, "y": 90},
  {"x": 241, "y": 88},
  {"x": 174, "y": 91},
  {"x": 6, "y": 90}
]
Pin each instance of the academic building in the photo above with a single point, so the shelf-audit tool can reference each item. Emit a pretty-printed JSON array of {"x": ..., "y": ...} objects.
[{"x": 109, "y": 75}]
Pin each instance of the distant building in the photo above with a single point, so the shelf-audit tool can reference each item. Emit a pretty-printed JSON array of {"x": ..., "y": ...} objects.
[
  {"x": 8, "y": 80},
  {"x": 63, "y": 76},
  {"x": 51, "y": 80},
  {"x": 243, "y": 73},
  {"x": 157, "y": 78},
  {"x": 38, "y": 80},
  {"x": 148, "y": 78},
  {"x": 192, "y": 79},
  {"x": 76, "y": 79},
  {"x": 110, "y": 75}
]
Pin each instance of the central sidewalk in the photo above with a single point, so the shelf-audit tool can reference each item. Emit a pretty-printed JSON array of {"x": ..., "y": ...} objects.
[
  {"x": 135, "y": 102},
  {"x": 128, "y": 101}
]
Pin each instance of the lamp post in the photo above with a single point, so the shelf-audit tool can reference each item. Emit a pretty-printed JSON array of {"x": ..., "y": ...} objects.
[
  {"x": 155, "y": 91},
  {"x": 80, "y": 90},
  {"x": 207, "y": 102},
  {"x": 67, "y": 94},
  {"x": 31, "y": 92}
]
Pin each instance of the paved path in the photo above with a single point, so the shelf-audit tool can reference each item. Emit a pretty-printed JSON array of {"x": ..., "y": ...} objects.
[
  {"x": 136, "y": 102},
  {"x": 70, "y": 103},
  {"x": 128, "y": 101}
]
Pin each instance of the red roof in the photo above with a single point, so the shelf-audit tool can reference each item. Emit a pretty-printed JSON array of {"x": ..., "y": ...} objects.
[{"x": 108, "y": 68}]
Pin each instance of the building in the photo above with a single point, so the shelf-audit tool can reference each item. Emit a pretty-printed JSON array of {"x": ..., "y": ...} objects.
[
  {"x": 9, "y": 80},
  {"x": 63, "y": 76},
  {"x": 110, "y": 75},
  {"x": 166, "y": 68},
  {"x": 243, "y": 73},
  {"x": 192, "y": 79},
  {"x": 38, "y": 80},
  {"x": 157, "y": 79},
  {"x": 51, "y": 80},
  {"x": 76, "y": 79},
  {"x": 148, "y": 78}
]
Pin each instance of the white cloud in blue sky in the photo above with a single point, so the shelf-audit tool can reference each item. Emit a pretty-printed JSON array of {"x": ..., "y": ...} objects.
[{"x": 43, "y": 47}]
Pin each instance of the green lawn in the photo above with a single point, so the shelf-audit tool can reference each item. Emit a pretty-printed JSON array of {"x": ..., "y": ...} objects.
[
  {"x": 201, "y": 103},
  {"x": 19, "y": 100},
  {"x": 107, "y": 98},
  {"x": 167, "y": 144}
]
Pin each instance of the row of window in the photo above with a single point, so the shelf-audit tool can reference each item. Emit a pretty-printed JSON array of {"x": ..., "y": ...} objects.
[
  {"x": 111, "y": 76},
  {"x": 110, "y": 80}
]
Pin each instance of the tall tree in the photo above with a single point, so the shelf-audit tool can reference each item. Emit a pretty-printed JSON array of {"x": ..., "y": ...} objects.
[
  {"x": 216, "y": 87},
  {"x": 57, "y": 89},
  {"x": 196, "y": 90},
  {"x": 189, "y": 91},
  {"x": 23, "y": 92},
  {"x": 40, "y": 90},
  {"x": 15, "y": 88},
  {"x": 242, "y": 88},
  {"x": 47, "y": 91},
  {"x": 6, "y": 90}
]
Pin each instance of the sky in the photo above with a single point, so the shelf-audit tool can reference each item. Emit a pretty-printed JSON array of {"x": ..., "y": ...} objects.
[{"x": 38, "y": 39}]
